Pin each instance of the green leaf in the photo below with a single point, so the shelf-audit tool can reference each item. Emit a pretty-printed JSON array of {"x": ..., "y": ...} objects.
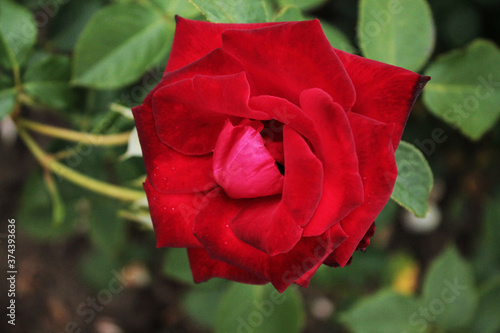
[
  {"x": 385, "y": 311},
  {"x": 182, "y": 8},
  {"x": 487, "y": 319},
  {"x": 400, "y": 33},
  {"x": 107, "y": 230},
  {"x": 465, "y": 88},
  {"x": 7, "y": 101},
  {"x": 337, "y": 38},
  {"x": 415, "y": 180},
  {"x": 47, "y": 81},
  {"x": 36, "y": 215},
  {"x": 199, "y": 302},
  {"x": 176, "y": 266},
  {"x": 260, "y": 309},
  {"x": 302, "y": 4},
  {"x": 70, "y": 21},
  {"x": 119, "y": 44},
  {"x": 18, "y": 33},
  {"x": 289, "y": 13},
  {"x": 234, "y": 11},
  {"x": 449, "y": 295}
]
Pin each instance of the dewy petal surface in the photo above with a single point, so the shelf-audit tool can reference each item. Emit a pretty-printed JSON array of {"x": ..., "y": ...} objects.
[
  {"x": 373, "y": 143},
  {"x": 242, "y": 164},
  {"x": 169, "y": 171},
  {"x": 283, "y": 60},
  {"x": 383, "y": 92},
  {"x": 173, "y": 217}
]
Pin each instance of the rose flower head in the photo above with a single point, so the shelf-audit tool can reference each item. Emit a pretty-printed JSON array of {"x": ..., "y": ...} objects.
[{"x": 268, "y": 152}]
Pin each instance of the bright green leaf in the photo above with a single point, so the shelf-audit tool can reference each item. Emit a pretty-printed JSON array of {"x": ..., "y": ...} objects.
[
  {"x": 119, "y": 44},
  {"x": 235, "y": 11},
  {"x": 465, "y": 88},
  {"x": 449, "y": 295},
  {"x": 47, "y": 81},
  {"x": 289, "y": 13},
  {"x": 487, "y": 319},
  {"x": 18, "y": 33},
  {"x": 260, "y": 309},
  {"x": 176, "y": 266},
  {"x": 400, "y": 33},
  {"x": 182, "y": 8},
  {"x": 415, "y": 180},
  {"x": 302, "y": 4},
  {"x": 7, "y": 101},
  {"x": 385, "y": 311}
]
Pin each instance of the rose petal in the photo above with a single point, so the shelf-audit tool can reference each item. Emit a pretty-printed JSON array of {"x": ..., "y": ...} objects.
[
  {"x": 273, "y": 225},
  {"x": 195, "y": 39},
  {"x": 173, "y": 217},
  {"x": 383, "y": 92},
  {"x": 212, "y": 228},
  {"x": 377, "y": 166},
  {"x": 342, "y": 186},
  {"x": 169, "y": 171},
  {"x": 283, "y": 71},
  {"x": 200, "y": 106},
  {"x": 242, "y": 164},
  {"x": 205, "y": 268}
]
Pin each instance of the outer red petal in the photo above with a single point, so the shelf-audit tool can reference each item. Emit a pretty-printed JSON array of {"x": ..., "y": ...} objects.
[
  {"x": 205, "y": 268},
  {"x": 173, "y": 217},
  {"x": 213, "y": 230},
  {"x": 195, "y": 39},
  {"x": 342, "y": 186},
  {"x": 168, "y": 170},
  {"x": 377, "y": 166},
  {"x": 280, "y": 70},
  {"x": 383, "y": 92}
]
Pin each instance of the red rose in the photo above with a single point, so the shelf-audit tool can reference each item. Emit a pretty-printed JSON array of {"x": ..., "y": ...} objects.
[{"x": 268, "y": 152}]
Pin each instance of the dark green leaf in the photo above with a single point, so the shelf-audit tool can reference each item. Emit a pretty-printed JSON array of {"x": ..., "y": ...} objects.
[
  {"x": 18, "y": 33},
  {"x": 235, "y": 11},
  {"x": 176, "y": 266},
  {"x": 199, "y": 301},
  {"x": 302, "y": 4},
  {"x": 400, "y": 33},
  {"x": 465, "y": 88},
  {"x": 119, "y": 44},
  {"x": 47, "y": 81},
  {"x": 449, "y": 293},
  {"x": 414, "y": 182},
  {"x": 260, "y": 309},
  {"x": 337, "y": 38},
  {"x": 385, "y": 311},
  {"x": 107, "y": 230},
  {"x": 487, "y": 319},
  {"x": 70, "y": 21}
]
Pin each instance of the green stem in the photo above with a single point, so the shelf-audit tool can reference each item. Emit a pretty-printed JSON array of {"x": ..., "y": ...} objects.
[
  {"x": 77, "y": 178},
  {"x": 62, "y": 133}
]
